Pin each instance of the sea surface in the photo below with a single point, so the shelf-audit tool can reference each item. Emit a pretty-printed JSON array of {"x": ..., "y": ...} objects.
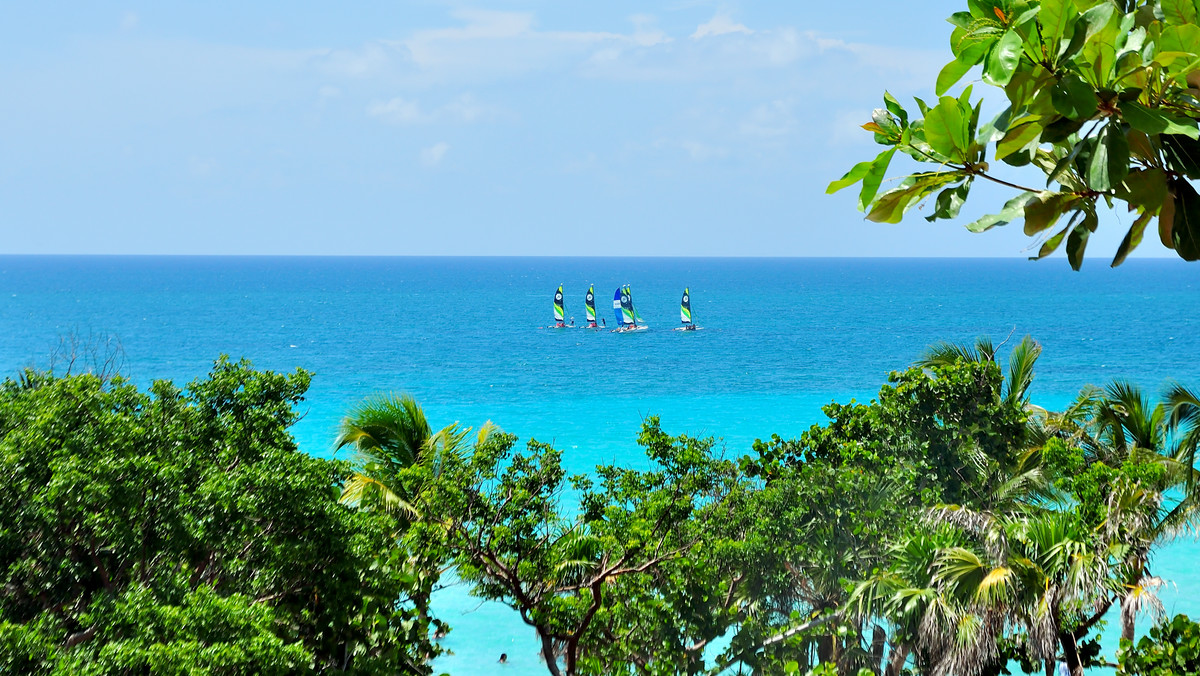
[{"x": 780, "y": 338}]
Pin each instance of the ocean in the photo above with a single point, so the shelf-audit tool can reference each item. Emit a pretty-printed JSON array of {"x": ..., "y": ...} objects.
[{"x": 781, "y": 337}]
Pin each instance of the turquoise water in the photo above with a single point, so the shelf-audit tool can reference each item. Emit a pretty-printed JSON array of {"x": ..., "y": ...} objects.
[{"x": 781, "y": 338}]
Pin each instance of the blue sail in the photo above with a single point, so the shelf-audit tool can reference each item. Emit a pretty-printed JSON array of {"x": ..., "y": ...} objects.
[{"x": 617, "y": 305}]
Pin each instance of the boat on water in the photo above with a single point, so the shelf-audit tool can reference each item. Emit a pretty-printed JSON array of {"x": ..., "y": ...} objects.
[
  {"x": 685, "y": 312},
  {"x": 628, "y": 317},
  {"x": 589, "y": 302},
  {"x": 559, "y": 313}
]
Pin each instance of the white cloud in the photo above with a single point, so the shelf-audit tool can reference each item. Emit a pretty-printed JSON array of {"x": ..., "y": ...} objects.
[
  {"x": 129, "y": 21},
  {"x": 397, "y": 111},
  {"x": 402, "y": 111},
  {"x": 769, "y": 120},
  {"x": 432, "y": 156},
  {"x": 721, "y": 24},
  {"x": 328, "y": 92}
]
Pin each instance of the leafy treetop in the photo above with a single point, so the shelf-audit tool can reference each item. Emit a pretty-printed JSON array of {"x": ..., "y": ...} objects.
[{"x": 1103, "y": 100}]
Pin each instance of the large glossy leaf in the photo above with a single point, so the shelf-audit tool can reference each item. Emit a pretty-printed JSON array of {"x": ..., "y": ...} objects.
[
  {"x": 891, "y": 206},
  {"x": 1054, "y": 16},
  {"x": 1185, "y": 228},
  {"x": 1166, "y": 220},
  {"x": 1179, "y": 11},
  {"x": 1155, "y": 121},
  {"x": 1133, "y": 237},
  {"x": 1073, "y": 98},
  {"x": 874, "y": 177},
  {"x": 1003, "y": 59},
  {"x": 1019, "y": 137},
  {"x": 1183, "y": 38},
  {"x": 1144, "y": 189},
  {"x": 856, "y": 174},
  {"x": 1077, "y": 240},
  {"x": 946, "y": 128},
  {"x": 1044, "y": 210},
  {"x": 1013, "y": 209},
  {"x": 951, "y": 73},
  {"x": 1109, "y": 162},
  {"x": 1051, "y": 245},
  {"x": 949, "y": 202},
  {"x": 1183, "y": 154}
]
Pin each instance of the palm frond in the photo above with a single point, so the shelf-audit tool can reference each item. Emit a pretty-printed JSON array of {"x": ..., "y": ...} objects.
[{"x": 1020, "y": 370}]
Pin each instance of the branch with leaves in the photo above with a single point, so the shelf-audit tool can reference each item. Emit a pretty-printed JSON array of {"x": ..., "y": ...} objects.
[{"x": 1103, "y": 100}]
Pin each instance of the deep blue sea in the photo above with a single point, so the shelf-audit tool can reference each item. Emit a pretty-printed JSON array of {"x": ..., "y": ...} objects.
[{"x": 781, "y": 338}]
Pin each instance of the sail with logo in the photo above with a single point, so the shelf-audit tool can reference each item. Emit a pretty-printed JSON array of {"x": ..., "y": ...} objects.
[
  {"x": 589, "y": 302},
  {"x": 559, "y": 314},
  {"x": 685, "y": 312},
  {"x": 627, "y": 314}
]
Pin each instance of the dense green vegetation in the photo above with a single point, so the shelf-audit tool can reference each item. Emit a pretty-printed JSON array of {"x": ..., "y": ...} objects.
[
  {"x": 947, "y": 526},
  {"x": 181, "y": 531},
  {"x": 1103, "y": 99}
]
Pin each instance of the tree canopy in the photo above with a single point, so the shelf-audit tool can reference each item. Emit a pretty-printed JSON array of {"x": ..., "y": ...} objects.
[
  {"x": 1103, "y": 99},
  {"x": 181, "y": 531}
]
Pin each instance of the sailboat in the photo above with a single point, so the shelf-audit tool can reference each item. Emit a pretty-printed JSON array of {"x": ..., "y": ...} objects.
[
  {"x": 558, "y": 309},
  {"x": 627, "y": 315},
  {"x": 589, "y": 302},
  {"x": 685, "y": 312}
]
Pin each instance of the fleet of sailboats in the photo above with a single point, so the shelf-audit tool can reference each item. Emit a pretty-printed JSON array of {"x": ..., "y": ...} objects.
[{"x": 626, "y": 313}]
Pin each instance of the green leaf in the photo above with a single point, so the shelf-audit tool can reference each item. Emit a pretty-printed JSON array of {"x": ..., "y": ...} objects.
[
  {"x": 1077, "y": 240},
  {"x": 1154, "y": 121},
  {"x": 1019, "y": 137},
  {"x": 874, "y": 178},
  {"x": 1185, "y": 226},
  {"x": 1179, "y": 11},
  {"x": 1132, "y": 238},
  {"x": 951, "y": 73},
  {"x": 1073, "y": 98},
  {"x": 950, "y": 201},
  {"x": 1003, "y": 59},
  {"x": 1109, "y": 163},
  {"x": 1144, "y": 189},
  {"x": 1182, "y": 38},
  {"x": 856, "y": 174},
  {"x": 1054, "y": 16},
  {"x": 895, "y": 108},
  {"x": 1183, "y": 154},
  {"x": 1044, "y": 210},
  {"x": 1013, "y": 209},
  {"x": 891, "y": 206},
  {"x": 946, "y": 128},
  {"x": 1051, "y": 245}
]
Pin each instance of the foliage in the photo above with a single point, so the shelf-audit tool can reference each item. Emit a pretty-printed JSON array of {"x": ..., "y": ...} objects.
[
  {"x": 1171, "y": 648},
  {"x": 622, "y": 577},
  {"x": 1103, "y": 101},
  {"x": 182, "y": 531}
]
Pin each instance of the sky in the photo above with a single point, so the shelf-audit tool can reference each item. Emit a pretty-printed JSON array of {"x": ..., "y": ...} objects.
[{"x": 613, "y": 128}]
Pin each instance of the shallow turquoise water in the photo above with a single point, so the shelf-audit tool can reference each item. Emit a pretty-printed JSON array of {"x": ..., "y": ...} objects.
[{"x": 782, "y": 337}]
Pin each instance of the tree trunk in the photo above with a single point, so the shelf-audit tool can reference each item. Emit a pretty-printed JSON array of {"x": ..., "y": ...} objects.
[
  {"x": 1071, "y": 653},
  {"x": 548, "y": 654},
  {"x": 896, "y": 660},
  {"x": 878, "y": 641}
]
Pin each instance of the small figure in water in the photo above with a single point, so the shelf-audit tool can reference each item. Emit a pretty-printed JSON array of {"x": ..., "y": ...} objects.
[
  {"x": 503, "y": 658},
  {"x": 572, "y": 321},
  {"x": 602, "y": 321}
]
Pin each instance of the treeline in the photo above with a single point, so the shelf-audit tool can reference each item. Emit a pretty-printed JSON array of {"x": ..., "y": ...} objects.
[{"x": 946, "y": 527}]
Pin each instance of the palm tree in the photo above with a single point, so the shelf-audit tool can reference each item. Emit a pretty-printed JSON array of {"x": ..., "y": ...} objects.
[
  {"x": 1119, "y": 424},
  {"x": 392, "y": 438},
  {"x": 1020, "y": 363}
]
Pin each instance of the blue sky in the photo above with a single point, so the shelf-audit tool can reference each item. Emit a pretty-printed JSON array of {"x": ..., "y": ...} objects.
[{"x": 523, "y": 128}]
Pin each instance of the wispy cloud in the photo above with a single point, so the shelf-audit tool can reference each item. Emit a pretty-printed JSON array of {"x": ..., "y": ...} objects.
[
  {"x": 721, "y": 24},
  {"x": 404, "y": 111},
  {"x": 432, "y": 156}
]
